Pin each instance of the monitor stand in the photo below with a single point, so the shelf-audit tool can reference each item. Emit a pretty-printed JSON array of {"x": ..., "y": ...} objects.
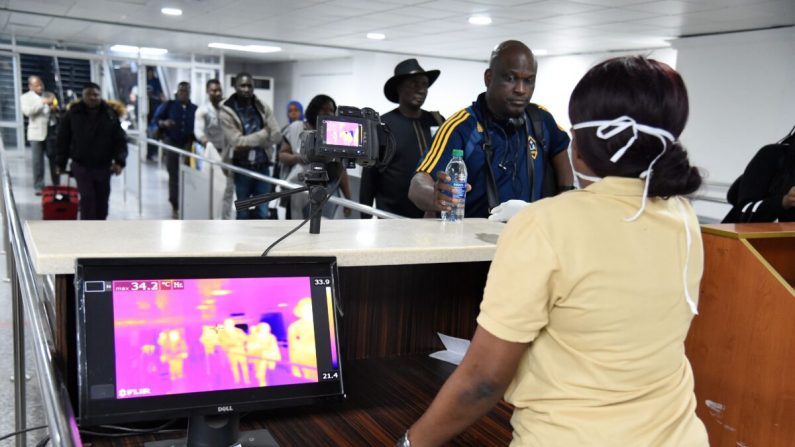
[{"x": 218, "y": 431}]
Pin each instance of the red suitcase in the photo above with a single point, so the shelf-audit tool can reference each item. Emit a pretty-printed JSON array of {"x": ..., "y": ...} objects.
[{"x": 59, "y": 202}]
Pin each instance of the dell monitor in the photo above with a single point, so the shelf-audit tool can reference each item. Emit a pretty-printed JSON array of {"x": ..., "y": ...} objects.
[{"x": 205, "y": 338}]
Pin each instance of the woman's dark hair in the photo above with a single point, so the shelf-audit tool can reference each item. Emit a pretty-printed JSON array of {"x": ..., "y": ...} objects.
[
  {"x": 312, "y": 110},
  {"x": 651, "y": 93}
]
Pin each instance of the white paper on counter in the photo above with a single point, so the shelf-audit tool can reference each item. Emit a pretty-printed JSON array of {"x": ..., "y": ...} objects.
[{"x": 455, "y": 350}]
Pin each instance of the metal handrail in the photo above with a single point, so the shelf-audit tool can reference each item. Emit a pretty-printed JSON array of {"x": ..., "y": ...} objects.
[
  {"x": 705, "y": 198},
  {"x": 283, "y": 183},
  {"x": 57, "y": 407}
]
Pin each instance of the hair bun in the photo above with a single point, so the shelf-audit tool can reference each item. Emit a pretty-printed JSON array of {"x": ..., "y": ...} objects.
[{"x": 672, "y": 174}]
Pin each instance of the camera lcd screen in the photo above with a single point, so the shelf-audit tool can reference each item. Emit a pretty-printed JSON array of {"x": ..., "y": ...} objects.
[
  {"x": 343, "y": 133},
  {"x": 162, "y": 336}
]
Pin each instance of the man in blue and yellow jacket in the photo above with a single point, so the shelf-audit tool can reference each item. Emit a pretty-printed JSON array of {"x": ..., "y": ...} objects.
[{"x": 503, "y": 130}]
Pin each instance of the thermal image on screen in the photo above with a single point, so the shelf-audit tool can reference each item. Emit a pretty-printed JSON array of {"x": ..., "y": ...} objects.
[
  {"x": 199, "y": 335},
  {"x": 340, "y": 133}
]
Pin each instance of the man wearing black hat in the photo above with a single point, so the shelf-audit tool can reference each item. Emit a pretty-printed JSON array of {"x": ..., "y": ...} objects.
[{"x": 413, "y": 129}]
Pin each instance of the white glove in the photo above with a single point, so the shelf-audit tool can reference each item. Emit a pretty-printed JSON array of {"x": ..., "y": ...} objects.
[{"x": 504, "y": 211}]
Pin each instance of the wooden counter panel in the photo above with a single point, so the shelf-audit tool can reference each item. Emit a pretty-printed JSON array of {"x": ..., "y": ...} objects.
[
  {"x": 780, "y": 254},
  {"x": 742, "y": 349},
  {"x": 385, "y": 396},
  {"x": 398, "y": 310}
]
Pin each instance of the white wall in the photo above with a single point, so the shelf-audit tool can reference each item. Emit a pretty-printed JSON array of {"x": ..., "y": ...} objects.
[
  {"x": 558, "y": 75},
  {"x": 359, "y": 81},
  {"x": 742, "y": 96}
]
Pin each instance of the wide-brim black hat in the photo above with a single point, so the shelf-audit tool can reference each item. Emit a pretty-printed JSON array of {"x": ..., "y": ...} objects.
[{"x": 403, "y": 70}]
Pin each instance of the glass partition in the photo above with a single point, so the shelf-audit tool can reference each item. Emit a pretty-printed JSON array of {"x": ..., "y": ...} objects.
[
  {"x": 9, "y": 135},
  {"x": 125, "y": 83}
]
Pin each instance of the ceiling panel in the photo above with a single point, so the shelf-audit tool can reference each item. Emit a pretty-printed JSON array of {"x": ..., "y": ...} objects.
[
  {"x": 66, "y": 28},
  {"x": 430, "y": 27}
]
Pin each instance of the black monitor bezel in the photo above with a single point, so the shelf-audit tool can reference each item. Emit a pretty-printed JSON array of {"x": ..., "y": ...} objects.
[{"x": 184, "y": 405}]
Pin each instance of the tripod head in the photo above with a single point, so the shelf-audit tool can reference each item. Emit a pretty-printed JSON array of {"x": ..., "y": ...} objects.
[{"x": 315, "y": 181}]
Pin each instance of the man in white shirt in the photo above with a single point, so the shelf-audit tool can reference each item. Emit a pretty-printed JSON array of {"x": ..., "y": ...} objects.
[
  {"x": 37, "y": 108},
  {"x": 209, "y": 133}
]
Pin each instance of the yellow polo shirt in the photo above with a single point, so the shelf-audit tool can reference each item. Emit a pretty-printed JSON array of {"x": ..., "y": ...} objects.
[{"x": 602, "y": 301}]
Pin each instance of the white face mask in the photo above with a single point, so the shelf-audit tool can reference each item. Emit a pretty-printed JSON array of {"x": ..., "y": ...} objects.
[
  {"x": 576, "y": 174},
  {"x": 608, "y": 129}
]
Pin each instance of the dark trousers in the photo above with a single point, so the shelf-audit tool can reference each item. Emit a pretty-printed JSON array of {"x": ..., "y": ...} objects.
[
  {"x": 172, "y": 166},
  {"x": 247, "y": 187},
  {"x": 37, "y": 157},
  {"x": 93, "y": 184},
  {"x": 50, "y": 152}
]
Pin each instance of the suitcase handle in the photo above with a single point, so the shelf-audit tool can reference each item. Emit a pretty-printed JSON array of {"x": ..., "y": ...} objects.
[{"x": 68, "y": 175}]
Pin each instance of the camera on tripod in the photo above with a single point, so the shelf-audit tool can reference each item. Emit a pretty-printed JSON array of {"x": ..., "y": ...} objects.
[{"x": 352, "y": 136}]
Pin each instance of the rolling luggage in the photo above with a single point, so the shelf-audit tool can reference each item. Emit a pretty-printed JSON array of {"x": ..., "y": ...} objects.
[{"x": 59, "y": 202}]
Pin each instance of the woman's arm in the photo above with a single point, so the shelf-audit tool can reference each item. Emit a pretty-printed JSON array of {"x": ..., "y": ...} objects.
[
  {"x": 287, "y": 156},
  {"x": 474, "y": 388}
]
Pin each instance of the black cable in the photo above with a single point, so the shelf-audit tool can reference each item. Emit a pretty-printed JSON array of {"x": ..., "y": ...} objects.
[
  {"x": 16, "y": 433},
  {"x": 130, "y": 431},
  {"x": 139, "y": 430},
  {"x": 43, "y": 441},
  {"x": 315, "y": 213},
  {"x": 125, "y": 435}
]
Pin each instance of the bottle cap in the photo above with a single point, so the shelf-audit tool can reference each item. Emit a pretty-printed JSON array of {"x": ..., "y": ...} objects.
[{"x": 458, "y": 153}]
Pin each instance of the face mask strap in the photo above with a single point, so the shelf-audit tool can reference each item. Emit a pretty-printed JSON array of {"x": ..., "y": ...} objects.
[
  {"x": 689, "y": 240},
  {"x": 606, "y": 129}
]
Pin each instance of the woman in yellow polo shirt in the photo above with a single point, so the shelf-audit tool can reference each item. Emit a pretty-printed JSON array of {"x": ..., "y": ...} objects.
[{"x": 591, "y": 293}]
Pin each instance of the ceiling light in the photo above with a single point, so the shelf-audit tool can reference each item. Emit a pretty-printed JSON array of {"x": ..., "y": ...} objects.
[
  {"x": 144, "y": 51},
  {"x": 124, "y": 49},
  {"x": 480, "y": 20},
  {"x": 246, "y": 48},
  {"x": 540, "y": 52},
  {"x": 376, "y": 36},
  {"x": 147, "y": 51},
  {"x": 171, "y": 11}
]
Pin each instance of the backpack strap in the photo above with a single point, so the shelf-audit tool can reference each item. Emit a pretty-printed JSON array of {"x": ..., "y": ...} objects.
[
  {"x": 437, "y": 117},
  {"x": 549, "y": 184},
  {"x": 538, "y": 126},
  {"x": 491, "y": 184}
]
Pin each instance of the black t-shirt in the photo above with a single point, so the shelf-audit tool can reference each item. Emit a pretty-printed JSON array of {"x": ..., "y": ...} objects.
[{"x": 390, "y": 186}]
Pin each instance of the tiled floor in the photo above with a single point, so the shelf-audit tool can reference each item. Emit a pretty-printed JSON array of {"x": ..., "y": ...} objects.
[{"x": 122, "y": 206}]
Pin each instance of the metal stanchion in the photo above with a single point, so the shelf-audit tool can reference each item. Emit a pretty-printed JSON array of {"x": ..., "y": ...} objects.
[
  {"x": 20, "y": 406},
  {"x": 6, "y": 243},
  {"x": 212, "y": 191}
]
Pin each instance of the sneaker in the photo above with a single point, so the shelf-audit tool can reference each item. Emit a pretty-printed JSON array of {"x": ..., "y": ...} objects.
[
  {"x": 175, "y": 214},
  {"x": 38, "y": 192}
]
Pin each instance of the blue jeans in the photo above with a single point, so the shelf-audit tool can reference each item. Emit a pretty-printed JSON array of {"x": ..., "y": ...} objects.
[{"x": 247, "y": 187}]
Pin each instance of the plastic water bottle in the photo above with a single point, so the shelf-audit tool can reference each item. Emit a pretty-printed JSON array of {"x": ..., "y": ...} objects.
[{"x": 457, "y": 170}]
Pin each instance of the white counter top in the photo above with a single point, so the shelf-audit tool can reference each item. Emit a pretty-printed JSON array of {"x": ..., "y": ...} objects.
[{"x": 54, "y": 245}]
